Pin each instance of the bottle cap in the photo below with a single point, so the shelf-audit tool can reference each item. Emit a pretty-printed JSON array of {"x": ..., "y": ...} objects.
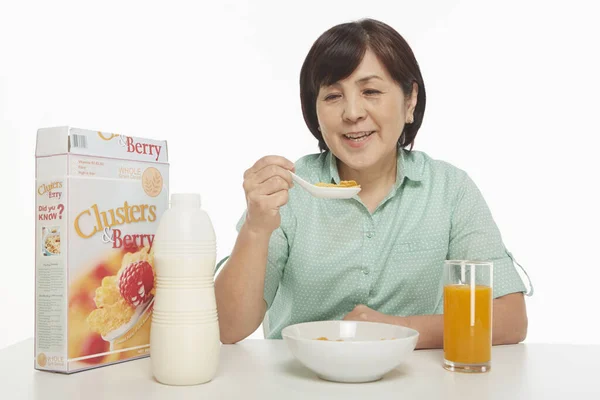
[{"x": 185, "y": 200}]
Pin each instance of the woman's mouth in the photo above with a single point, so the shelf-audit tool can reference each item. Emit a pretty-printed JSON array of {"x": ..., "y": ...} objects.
[
  {"x": 355, "y": 139},
  {"x": 358, "y": 136}
]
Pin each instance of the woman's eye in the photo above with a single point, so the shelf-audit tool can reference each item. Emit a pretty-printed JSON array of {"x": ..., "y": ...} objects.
[
  {"x": 370, "y": 92},
  {"x": 331, "y": 97}
]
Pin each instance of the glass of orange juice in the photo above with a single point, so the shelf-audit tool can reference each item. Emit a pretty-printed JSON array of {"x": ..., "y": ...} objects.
[{"x": 468, "y": 299}]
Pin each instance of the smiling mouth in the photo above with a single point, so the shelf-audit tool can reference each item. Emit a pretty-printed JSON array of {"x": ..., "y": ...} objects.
[{"x": 358, "y": 136}]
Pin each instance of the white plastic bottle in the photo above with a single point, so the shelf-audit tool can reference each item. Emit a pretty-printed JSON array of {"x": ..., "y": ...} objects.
[{"x": 184, "y": 336}]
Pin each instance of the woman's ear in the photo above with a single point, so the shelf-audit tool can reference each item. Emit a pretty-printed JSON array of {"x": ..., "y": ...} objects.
[{"x": 411, "y": 104}]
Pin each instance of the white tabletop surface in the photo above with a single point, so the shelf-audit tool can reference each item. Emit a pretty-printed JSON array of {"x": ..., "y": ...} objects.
[{"x": 265, "y": 369}]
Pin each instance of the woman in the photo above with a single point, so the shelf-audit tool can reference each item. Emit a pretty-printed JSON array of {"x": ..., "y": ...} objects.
[{"x": 378, "y": 256}]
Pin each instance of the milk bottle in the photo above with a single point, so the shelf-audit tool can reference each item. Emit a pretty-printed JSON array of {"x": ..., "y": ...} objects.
[{"x": 184, "y": 338}]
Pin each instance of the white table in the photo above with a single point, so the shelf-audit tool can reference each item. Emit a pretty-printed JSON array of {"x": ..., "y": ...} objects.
[{"x": 265, "y": 369}]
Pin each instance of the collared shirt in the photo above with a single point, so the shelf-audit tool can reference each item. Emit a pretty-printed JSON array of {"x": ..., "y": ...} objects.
[{"x": 328, "y": 255}]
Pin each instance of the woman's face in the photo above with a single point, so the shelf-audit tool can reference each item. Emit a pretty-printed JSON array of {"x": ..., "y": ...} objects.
[{"x": 361, "y": 117}]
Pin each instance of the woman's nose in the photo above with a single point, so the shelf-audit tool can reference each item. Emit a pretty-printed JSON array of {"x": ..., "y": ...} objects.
[{"x": 354, "y": 110}]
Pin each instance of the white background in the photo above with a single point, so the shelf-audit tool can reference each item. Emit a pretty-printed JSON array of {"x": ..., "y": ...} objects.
[{"x": 512, "y": 92}]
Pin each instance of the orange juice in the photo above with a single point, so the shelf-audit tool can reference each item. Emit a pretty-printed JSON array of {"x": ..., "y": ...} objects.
[{"x": 467, "y": 340}]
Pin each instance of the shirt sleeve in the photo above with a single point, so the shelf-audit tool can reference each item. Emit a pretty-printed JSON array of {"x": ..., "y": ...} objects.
[
  {"x": 474, "y": 235},
  {"x": 276, "y": 260}
]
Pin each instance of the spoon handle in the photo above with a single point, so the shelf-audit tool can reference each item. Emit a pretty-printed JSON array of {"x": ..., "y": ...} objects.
[{"x": 300, "y": 181}]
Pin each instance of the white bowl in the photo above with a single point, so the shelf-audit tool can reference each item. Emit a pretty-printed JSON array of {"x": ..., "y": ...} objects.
[{"x": 355, "y": 351}]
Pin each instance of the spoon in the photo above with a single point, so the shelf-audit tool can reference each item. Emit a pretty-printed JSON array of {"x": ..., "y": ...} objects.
[
  {"x": 326, "y": 192},
  {"x": 123, "y": 329}
]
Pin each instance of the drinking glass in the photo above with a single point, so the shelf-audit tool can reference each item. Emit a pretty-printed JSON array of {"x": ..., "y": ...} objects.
[{"x": 468, "y": 298}]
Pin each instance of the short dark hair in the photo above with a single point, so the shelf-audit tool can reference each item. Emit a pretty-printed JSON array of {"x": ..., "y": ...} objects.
[{"x": 339, "y": 51}]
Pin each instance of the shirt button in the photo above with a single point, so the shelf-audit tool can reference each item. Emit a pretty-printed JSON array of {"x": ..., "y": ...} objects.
[
  {"x": 370, "y": 235},
  {"x": 365, "y": 271}
]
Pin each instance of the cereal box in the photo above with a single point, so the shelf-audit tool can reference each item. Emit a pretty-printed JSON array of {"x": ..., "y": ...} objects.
[{"x": 99, "y": 199}]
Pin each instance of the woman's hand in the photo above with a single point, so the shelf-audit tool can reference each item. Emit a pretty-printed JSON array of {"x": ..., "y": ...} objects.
[
  {"x": 266, "y": 185},
  {"x": 364, "y": 313}
]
